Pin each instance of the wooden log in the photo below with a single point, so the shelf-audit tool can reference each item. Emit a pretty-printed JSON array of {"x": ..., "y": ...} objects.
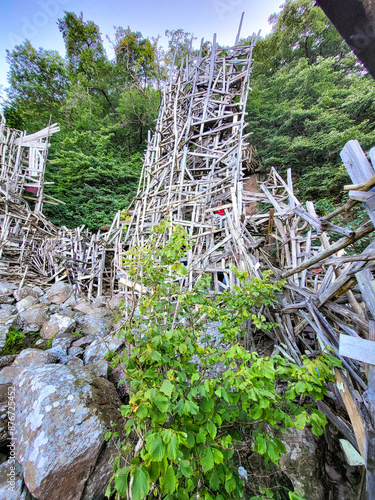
[{"x": 362, "y": 231}]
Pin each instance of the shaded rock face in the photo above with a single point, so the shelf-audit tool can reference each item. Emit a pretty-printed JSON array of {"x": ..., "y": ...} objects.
[
  {"x": 59, "y": 292},
  {"x": 12, "y": 470},
  {"x": 24, "y": 292},
  {"x": 100, "y": 347},
  {"x": 7, "y": 288},
  {"x": 32, "y": 319},
  {"x": 61, "y": 415},
  {"x": 301, "y": 463},
  {"x": 96, "y": 324}
]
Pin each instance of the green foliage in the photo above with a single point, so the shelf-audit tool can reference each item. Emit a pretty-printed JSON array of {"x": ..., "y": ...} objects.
[
  {"x": 14, "y": 342},
  {"x": 38, "y": 84},
  {"x": 190, "y": 393},
  {"x": 309, "y": 98}
]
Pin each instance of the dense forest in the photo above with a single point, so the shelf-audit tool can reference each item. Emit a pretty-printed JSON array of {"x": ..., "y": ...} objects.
[{"x": 309, "y": 96}]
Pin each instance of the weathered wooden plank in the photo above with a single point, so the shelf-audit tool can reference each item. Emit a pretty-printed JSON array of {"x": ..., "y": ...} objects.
[{"x": 357, "y": 348}]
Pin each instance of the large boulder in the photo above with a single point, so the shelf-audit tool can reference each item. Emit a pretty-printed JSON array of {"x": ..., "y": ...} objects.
[
  {"x": 59, "y": 292},
  {"x": 25, "y": 303},
  {"x": 61, "y": 416},
  {"x": 32, "y": 319},
  {"x": 6, "y": 288},
  {"x": 34, "y": 357},
  {"x": 57, "y": 324}
]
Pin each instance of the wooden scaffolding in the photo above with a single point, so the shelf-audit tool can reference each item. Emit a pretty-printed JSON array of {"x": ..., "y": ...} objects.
[{"x": 195, "y": 162}]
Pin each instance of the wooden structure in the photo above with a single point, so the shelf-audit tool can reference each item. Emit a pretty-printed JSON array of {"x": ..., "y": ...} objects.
[
  {"x": 22, "y": 161},
  {"x": 32, "y": 249},
  {"x": 195, "y": 163},
  {"x": 193, "y": 176}
]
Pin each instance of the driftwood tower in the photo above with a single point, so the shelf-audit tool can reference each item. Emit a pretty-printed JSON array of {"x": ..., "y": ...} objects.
[{"x": 194, "y": 164}]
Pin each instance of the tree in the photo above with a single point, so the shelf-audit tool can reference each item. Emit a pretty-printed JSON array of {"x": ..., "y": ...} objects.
[
  {"x": 38, "y": 86},
  {"x": 309, "y": 98}
]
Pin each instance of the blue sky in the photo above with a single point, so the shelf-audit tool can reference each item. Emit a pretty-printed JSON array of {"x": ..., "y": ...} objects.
[{"x": 36, "y": 20}]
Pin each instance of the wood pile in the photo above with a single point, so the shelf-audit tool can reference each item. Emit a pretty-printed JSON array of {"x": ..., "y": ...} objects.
[
  {"x": 33, "y": 251},
  {"x": 193, "y": 176},
  {"x": 195, "y": 163},
  {"x": 23, "y": 161}
]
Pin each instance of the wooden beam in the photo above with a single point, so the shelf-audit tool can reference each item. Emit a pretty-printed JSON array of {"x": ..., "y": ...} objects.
[{"x": 354, "y": 20}]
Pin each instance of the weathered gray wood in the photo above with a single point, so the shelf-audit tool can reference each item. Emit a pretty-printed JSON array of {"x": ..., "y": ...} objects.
[
  {"x": 366, "y": 284},
  {"x": 357, "y": 348}
]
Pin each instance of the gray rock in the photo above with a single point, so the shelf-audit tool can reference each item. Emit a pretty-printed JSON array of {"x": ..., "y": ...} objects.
[
  {"x": 60, "y": 420},
  {"x": 56, "y": 325},
  {"x": 4, "y": 330},
  {"x": 99, "y": 302},
  {"x": 33, "y": 318},
  {"x": 75, "y": 363},
  {"x": 116, "y": 300},
  {"x": 24, "y": 292},
  {"x": 9, "y": 373},
  {"x": 7, "y": 310},
  {"x": 7, "y": 288},
  {"x": 75, "y": 351},
  {"x": 7, "y": 360},
  {"x": 25, "y": 303},
  {"x": 100, "y": 347},
  {"x": 84, "y": 307},
  {"x": 34, "y": 357},
  {"x": 6, "y": 393},
  {"x": 60, "y": 353},
  {"x": 64, "y": 340},
  {"x": 11, "y": 481},
  {"x": 72, "y": 301},
  {"x": 300, "y": 463},
  {"x": 59, "y": 292},
  {"x": 7, "y": 299},
  {"x": 38, "y": 290},
  {"x": 84, "y": 341},
  {"x": 100, "y": 368},
  {"x": 96, "y": 324}
]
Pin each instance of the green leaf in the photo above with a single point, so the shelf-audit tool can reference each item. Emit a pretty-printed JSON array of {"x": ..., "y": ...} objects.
[
  {"x": 230, "y": 485},
  {"x": 207, "y": 462},
  {"x": 294, "y": 496},
  {"x": 218, "y": 456},
  {"x": 141, "y": 484},
  {"x": 172, "y": 447},
  {"x": 121, "y": 481},
  {"x": 162, "y": 403},
  {"x": 167, "y": 388},
  {"x": 260, "y": 445},
  {"x": 211, "y": 427},
  {"x": 169, "y": 481},
  {"x": 186, "y": 468},
  {"x": 214, "y": 480},
  {"x": 156, "y": 448}
]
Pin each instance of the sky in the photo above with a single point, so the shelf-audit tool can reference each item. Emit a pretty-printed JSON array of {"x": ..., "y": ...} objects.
[{"x": 36, "y": 20}]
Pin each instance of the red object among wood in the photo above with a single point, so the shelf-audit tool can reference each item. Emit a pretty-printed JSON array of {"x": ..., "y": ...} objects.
[
  {"x": 219, "y": 212},
  {"x": 31, "y": 189}
]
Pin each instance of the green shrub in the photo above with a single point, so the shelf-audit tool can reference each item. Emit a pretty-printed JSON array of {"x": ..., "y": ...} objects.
[{"x": 190, "y": 393}]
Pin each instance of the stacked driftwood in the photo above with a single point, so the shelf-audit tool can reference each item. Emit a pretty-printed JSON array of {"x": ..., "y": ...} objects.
[
  {"x": 195, "y": 163},
  {"x": 34, "y": 251},
  {"x": 23, "y": 161},
  {"x": 194, "y": 175}
]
